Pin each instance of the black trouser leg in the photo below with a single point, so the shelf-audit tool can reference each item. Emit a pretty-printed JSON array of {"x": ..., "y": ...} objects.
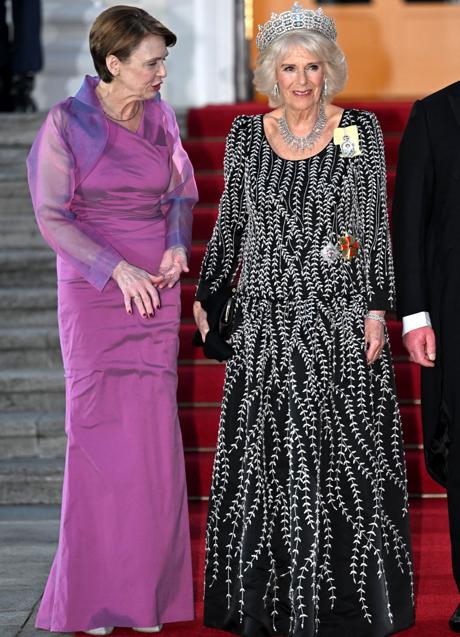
[
  {"x": 4, "y": 37},
  {"x": 453, "y": 495},
  {"x": 27, "y": 52},
  {"x": 5, "y": 61}
]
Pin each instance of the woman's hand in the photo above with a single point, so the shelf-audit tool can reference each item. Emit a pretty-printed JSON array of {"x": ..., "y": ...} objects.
[
  {"x": 374, "y": 335},
  {"x": 173, "y": 263},
  {"x": 201, "y": 319},
  {"x": 139, "y": 286}
]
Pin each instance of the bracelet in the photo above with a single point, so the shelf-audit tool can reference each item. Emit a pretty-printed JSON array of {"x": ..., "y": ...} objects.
[{"x": 376, "y": 317}]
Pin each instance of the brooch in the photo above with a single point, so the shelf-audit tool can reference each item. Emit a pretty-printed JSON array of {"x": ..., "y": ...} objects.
[
  {"x": 346, "y": 248},
  {"x": 349, "y": 246},
  {"x": 348, "y": 140},
  {"x": 330, "y": 252}
]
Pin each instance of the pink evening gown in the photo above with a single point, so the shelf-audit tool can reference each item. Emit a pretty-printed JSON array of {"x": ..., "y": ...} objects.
[{"x": 124, "y": 550}]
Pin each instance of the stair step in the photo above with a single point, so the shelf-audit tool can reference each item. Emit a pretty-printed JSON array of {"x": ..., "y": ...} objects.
[
  {"x": 32, "y": 437},
  {"x": 199, "y": 426},
  {"x": 28, "y": 306},
  {"x": 12, "y": 184},
  {"x": 201, "y": 384},
  {"x": 31, "y": 390},
  {"x": 13, "y": 171},
  {"x": 31, "y": 480},
  {"x": 17, "y": 267},
  {"x": 407, "y": 381},
  {"x": 42, "y": 435},
  {"x": 39, "y": 480},
  {"x": 25, "y": 240},
  {"x": 188, "y": 296},
  {"x": 411, "y": 416},
  {"x": 215, "y": 120},
  {"x": 204, "y": 220},
  {"x": 21, "y": 231},
  {"x": 30, "y": 347},
  {"x": 208, "y": 154},
  {"x": 12, "y": 156},
  {"x": 32, "y": 434},
  {"x": 211, "y": 185},
  {"x": 43, "y": 389},
  {"x": 395, "y": 335},
  {"x": 39, "y": 347},
  {"x": 419, "y": 481},
  {"x": 19, "y": 205},
  {"x": 19, "y": 131}
]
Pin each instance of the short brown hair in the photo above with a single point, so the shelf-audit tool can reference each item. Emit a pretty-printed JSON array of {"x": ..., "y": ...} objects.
[{"x": 118, "y": 31}]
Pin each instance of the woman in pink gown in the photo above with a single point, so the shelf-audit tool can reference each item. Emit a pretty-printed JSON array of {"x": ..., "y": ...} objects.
[{"x": 113, "y": 192}]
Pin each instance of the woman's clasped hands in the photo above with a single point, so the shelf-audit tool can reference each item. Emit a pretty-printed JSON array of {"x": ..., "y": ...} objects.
[{"x": 142, "y": 288}]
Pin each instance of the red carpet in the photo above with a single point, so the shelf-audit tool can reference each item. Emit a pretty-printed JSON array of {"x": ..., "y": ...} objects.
[{"x": 435, "y": 590}]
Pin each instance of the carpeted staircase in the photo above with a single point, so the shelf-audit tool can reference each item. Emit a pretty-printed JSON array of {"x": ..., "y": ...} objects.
[
  {"x": 31, "y": 379},
  {"x": 207, "y": 128}
]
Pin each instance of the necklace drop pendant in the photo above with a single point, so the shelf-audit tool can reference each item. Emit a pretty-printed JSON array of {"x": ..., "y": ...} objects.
[{"x": 305, "y": 142}]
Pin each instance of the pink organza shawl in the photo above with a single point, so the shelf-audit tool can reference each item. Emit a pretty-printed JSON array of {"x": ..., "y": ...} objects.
[{"x": 66, "y": 149}]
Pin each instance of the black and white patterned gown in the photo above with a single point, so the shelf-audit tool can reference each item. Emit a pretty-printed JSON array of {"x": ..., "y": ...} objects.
[{"x": 308, "y": 529}]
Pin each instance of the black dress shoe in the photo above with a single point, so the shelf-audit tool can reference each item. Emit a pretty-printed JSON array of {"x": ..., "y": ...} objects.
[
  {"x": 454, "y": 621},
  {"x": 6, "y": 103},
  {"x": 21, "y": 93}
]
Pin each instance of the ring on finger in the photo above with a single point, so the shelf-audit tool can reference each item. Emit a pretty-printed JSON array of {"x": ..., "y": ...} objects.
[{"x": 136, "y": 296}]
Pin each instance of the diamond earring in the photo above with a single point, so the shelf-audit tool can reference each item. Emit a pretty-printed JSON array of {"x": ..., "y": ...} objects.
[
  {"x": 276, "y": 91},
  {"x": 325, "y": 88}
]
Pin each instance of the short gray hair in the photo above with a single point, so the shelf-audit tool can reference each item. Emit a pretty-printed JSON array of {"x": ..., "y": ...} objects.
[{"x": 326, "y": 51}]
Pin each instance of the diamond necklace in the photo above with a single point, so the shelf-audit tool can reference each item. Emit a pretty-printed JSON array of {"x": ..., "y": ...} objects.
[{"x": 306, "y": 142}]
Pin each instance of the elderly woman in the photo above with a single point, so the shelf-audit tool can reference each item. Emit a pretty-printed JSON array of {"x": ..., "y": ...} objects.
[
  {"x": 308, "y": 528},
  {"x": 113, "y": 192}
]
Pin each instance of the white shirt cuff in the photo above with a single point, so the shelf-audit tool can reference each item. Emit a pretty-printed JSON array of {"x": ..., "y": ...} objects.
[{"x": 414, "y": 321}]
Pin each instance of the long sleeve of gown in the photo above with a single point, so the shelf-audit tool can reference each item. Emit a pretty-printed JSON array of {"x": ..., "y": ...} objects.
[
  {"x": 51, "y": 174},
  {"x": 223, "y": 252},
  {"x": 380, "y": 284},
  {"x": 178, "y": 201}
]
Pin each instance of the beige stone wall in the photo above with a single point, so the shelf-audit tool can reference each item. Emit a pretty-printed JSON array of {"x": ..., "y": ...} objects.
[{"x": 394, "y": 49}]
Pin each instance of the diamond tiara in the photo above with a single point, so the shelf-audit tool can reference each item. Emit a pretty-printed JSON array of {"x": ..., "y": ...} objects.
[{"x": 296, "y": 18}]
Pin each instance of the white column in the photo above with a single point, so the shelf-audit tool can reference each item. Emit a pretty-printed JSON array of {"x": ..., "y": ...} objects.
[{"x": 200, "y": 66}]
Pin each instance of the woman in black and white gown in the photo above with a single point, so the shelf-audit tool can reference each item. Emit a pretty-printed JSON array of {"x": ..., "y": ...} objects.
[{"x": 308, "y": 528}]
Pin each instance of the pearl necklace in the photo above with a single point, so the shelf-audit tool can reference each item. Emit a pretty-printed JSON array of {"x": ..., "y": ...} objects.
[{"x": 305, "y": 142}]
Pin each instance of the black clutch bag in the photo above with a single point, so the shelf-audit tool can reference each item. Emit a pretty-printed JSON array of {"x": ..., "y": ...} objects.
[{"x": 220, "y": 308}]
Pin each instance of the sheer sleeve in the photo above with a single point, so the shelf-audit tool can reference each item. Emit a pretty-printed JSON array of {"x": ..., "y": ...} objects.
[
  {"x": 51, "y": 174},
  {"x": 178, "y": 201},
  {"x": 376, "y": 234},
  {"x": 223, "y": 253}
]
